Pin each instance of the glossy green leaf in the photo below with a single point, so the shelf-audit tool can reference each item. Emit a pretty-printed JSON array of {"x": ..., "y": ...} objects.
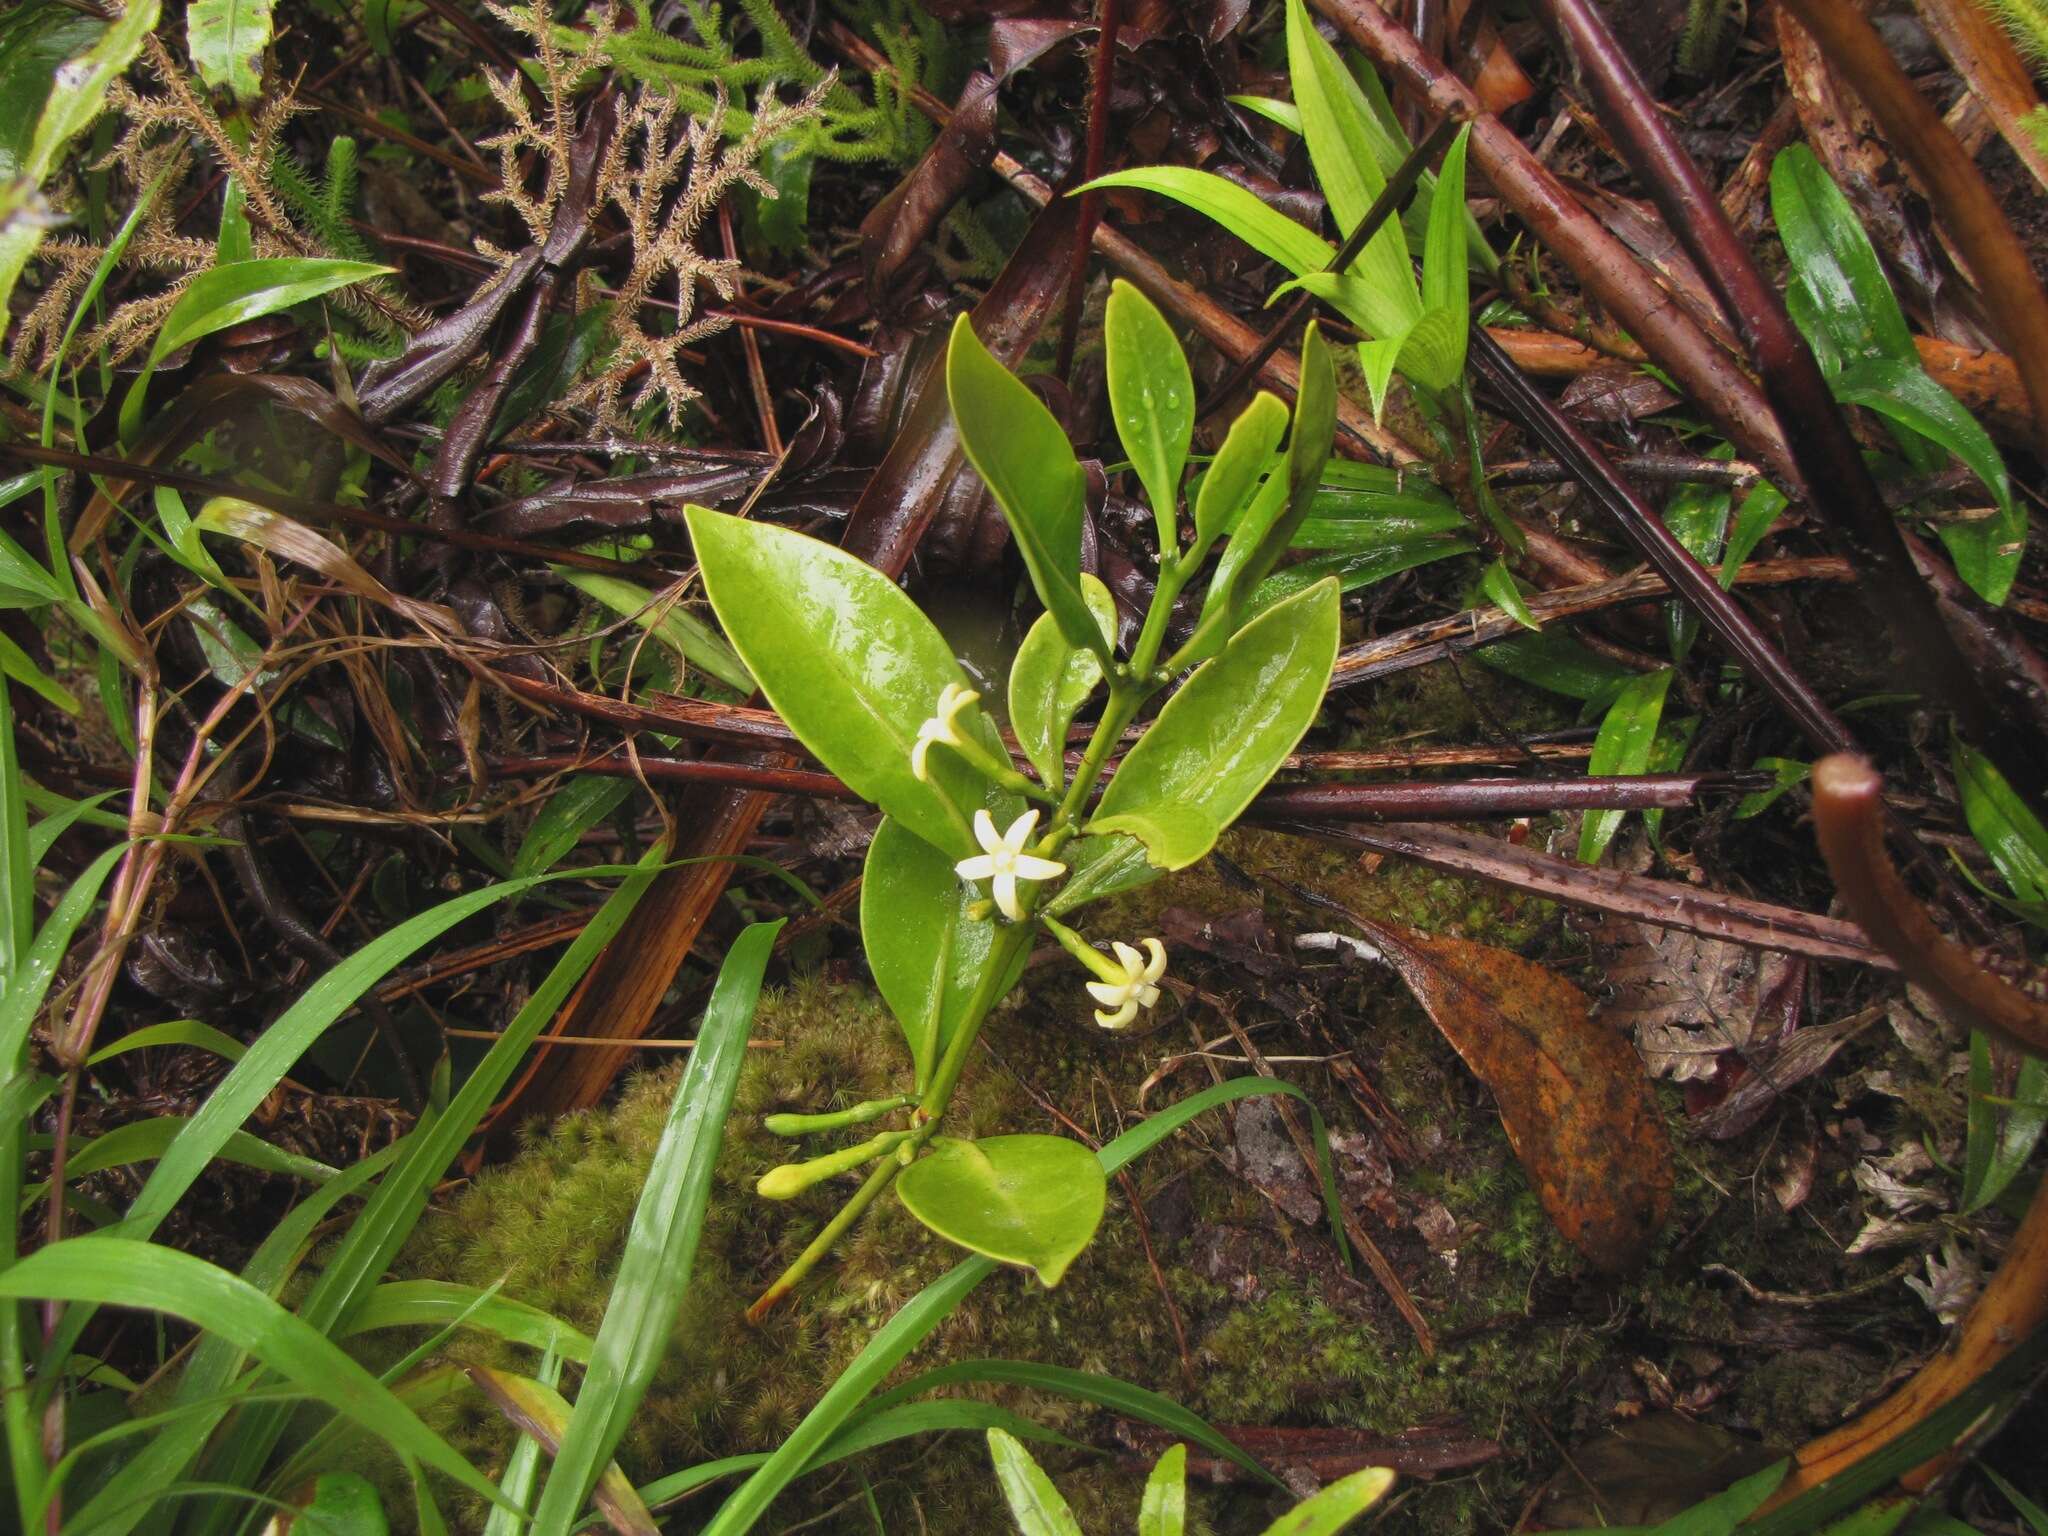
[
  {"x": 1163, "y": 1511},
  {"x": 1151, "y": 400},
  {"x": 661, "y": 1243},
  {"x": 1697, "y": 516},
  {"x": 152, "y": 1277},
  {"x": 1265, "y": 229},
  {"x": 1225, "y": 733},
  {"x": 1050, "y": 680},
  {"x": 851, "y": 664},
  {"x": 926, "y": 953},
  {"x": 1018, "y": 448},
  {"x": 1349, "y": 149},
  {"x": 1336, "y": 1506},
  {"x": 1628, "y": 734},
  {"x": 2003, "y": 824},
  {"x": 1498, "y": 583},
  {"x": 1029, "y": 1200},
  {"x": 1308, "y": 450},
  {"x": 1384, "y": 313},
  {"x": 1272, "y": 109},
  {"x": 669, "y": 622},
  {"x": 142, "y": 1141},
  {"x": 1848, "y": 295},
  {"x": 343, "y": 1504},
  {"x": 1987, "y": 552},
  {"x": 1034, "y": 1503},
  {"x": 33, "y": 46},
  {"x": 184, "y": 1032},
  {"x": 583, "y": 800},
  {"x": 1358, "y": 568},
  {"x": 221, "y": 297},
  {"x": 1227, "y": 484},
  {"x": 1786, "y": 771},
  {"x": 226, "y": 39},
  {"x": 1099, "y": 867},
  {"x": 1433, "y": 350}
]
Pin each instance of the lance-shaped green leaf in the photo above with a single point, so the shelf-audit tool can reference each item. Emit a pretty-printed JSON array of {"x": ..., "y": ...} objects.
[
  {"x": 1849, "y": 301},
  {"x": 1227, "y": 485},
  {"x": 2004, "y": 825},
  {"x": 1445, "y": 274},
  {"x": 1498, "y": 583},
  {"x": 1051, "y": 679},
  {"x": 1336, "y": 1506},
  {"x": 1151, "y": 398},
  {"x": 1164, "y": 1509},
  {"x": 1034, "y": 1503},
  {"x": 1220, "y": 738},
  {"x": 668, "y": 621},
  {"x": 927, "y": 954},
  {"x": 1315, "y": 428},
  {"x": 1019, "y": 449},
  {"x": 851, "y": 664},
  {"x": 1349, "y": 148},
  {"x": 1628, "y": 734},
  {"x": 1264, "y": 228},
  {"x": 1029, "y": 1200}
]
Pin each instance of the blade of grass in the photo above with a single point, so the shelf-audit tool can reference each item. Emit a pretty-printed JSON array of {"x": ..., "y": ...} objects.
[{"x": 661, "y": 1245}]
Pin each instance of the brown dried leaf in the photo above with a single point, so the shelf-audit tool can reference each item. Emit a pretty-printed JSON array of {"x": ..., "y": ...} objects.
[
  {"x": 1688, "y": 998},
  {"x": 1572, "y": 1094}
]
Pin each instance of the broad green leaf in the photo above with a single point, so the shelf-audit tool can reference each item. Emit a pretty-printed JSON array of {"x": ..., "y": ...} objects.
[
  {"x": 1698, "y": 516},
  {"x": 1336, "y": 1506},
  {"x": 76, "y": 92},
  {"x": 1151, "y": 399},
  {"x": 1265, "y": 229},
  {"x": 1034, "y": 1503},
  {"x": 226, "y": 39},
  {"x": 1225, "y": 733},
  {"x": 1433, "y": 350},
  {"x": 1786, "y": 771},
  {"x": 661, "y": 1243},
  {"x": 1358, "y": 568},
  {"x": 1498, "y": 583},
  {"x": 1227, "y": 484},
  {"x": 2004, "y": 824},
  {"x": 1726, "y": 1510},
  {"x": 1099, "y": 867},
  {"x": 926, "y": 952},
  {"x": 1018, "y": 448},
  {"x": 151, "y": 1277},
  {"x": 669, "y": 622},
  {"x": 1029, "y": 1200},
  {"x": 1377, "y": 359},
  {"x": 33, "y": 46},
  {"x": 1987, "y": 553},
  {"x": 1384, "y": 313},
  {"x": 1051, "y": 679},
  {"x": 1848, "y": 296},
  {"x": 343, "y": 1504},
  {"x": 1348, "y": 147},
  {"x": 851, "y": 664},
  {"x": 1315, "y": 428},
  {"x": 1164, "y": 1509},
  {"x": 24, "y": 583},
  {"x": 1628, "y": 733},
  {"x": 221, "y": 297}
]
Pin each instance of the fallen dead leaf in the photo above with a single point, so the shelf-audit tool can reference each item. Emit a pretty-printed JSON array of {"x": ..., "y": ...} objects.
[
  {"x": 1688, "y": 998},
  {"x": 1572, "y": 1095}
]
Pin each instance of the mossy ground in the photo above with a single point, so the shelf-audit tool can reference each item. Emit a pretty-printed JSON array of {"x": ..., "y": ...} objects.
[{"x": 1535, "y": 1352}]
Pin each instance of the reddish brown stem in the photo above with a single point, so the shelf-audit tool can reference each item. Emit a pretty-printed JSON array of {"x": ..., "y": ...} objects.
[
  {"x": 1848, "y": 812},
  {"x": 1111, "y": 19}
]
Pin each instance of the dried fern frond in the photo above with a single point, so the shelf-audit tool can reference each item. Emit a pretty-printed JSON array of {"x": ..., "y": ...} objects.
[{"x": 665, "y": 172}]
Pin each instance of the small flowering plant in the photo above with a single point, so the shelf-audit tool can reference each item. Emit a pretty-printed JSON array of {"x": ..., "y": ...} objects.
[{"x": 976, "y": 857}]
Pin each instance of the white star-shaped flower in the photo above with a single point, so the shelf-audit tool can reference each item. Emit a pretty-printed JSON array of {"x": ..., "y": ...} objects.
[
  {"x": 1122, "y": 1000},
  {"x": 943, "y": 727},
  {"x": 1003, "y": 861}
]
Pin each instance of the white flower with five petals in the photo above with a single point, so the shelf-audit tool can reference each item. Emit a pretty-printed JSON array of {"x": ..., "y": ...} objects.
[
  {"x": 1003, "y": 861},
  {"x": 943, "y": 728},
  {"x": 1138, "y": 989}
]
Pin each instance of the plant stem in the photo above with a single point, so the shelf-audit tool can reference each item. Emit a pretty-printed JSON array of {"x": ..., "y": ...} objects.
[
  {"x": 1011, "y": 940},
  {"x": 877, "y": 1181},
  {"x": 1124, "y": 699}
]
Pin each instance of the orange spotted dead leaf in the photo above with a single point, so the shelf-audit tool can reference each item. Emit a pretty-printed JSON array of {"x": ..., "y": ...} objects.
[{"x": 1572, "y": 1093}]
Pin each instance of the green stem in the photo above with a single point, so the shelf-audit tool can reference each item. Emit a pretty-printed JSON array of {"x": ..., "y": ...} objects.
[
  {"x": 877, "y": 1181},
  {"x": 858, "y": 1114},
  {"x": 1124, "y": 699},
  {"x": 1011, "y": 940},
  {"x": 1145, "y": 654}
]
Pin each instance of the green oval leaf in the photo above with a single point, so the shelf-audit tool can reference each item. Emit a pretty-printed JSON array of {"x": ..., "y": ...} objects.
[
  {"x": 1849, "y": 300},
  {"x": 1219, "y": 739},
  {"x": 1164, "y": 1509},
  {"x": 1336, "y": 1506},
  {"x": 1151, "y": 397},
  {"x": 1050, "y": 680},
  {"x": 926, "y": 952},
  {"x": 849, "y": 662},
  {"x": 1013, "y": 441},
  {"x": 226, "y": 39},
  {"x": 1029, "y": 1200},
  {"x": 1034, "y": 1503}
]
